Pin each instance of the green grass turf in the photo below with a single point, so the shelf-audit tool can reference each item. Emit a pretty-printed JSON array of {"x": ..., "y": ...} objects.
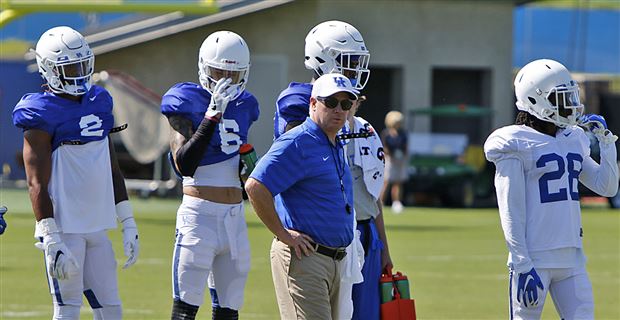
[{"x": 455, "y": 261}]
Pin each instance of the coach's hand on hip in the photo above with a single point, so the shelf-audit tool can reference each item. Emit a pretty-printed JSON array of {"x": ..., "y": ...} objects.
[{"x": 299, "y": 242}]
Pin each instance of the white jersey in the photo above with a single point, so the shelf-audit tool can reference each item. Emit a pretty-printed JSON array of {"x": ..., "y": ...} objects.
[
  {"x": 536, "y": 180},
  {"x": 81, "y": 188},
  {"x": 220, "y": 174}
]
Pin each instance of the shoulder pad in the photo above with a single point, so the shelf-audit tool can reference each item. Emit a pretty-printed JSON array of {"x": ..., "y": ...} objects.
[
  {"x": 502, "y": 144},
  {"x": 251, "y": 103},
  {"x": 29, "y": 113},
  {"x": 584, "y": 140},
  {"x": 186, "y": 97},
  {"x": 294, "y": 102}
]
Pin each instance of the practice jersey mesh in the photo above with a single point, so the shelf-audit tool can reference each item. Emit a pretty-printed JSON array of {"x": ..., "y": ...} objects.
[
  {"x": 551, "y": 166},
  {"x": 80, "y": 185}
]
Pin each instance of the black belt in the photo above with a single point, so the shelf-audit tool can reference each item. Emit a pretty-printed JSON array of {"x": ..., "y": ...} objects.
[{"x": 334, "y": 253}]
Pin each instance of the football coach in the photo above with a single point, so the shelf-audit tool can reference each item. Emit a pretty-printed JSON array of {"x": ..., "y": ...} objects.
[{"x": 312, "y": 213}]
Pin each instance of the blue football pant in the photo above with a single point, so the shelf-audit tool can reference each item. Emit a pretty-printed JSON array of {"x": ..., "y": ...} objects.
[{"x": 367, "y": 295}]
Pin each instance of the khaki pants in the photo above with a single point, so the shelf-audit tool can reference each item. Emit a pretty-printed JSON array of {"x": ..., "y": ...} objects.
[{"x": 306, "y": 288}]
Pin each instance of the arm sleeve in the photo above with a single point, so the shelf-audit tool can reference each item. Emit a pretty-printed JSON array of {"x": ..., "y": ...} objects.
[
  {"x": 510, "y": 188},
  {"x": 189, "y": 155},
  {"x": 602, "y": 178}
]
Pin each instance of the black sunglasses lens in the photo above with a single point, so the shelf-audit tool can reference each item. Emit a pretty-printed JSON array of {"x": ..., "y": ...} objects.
[
  {"x": 332, "y": 103},
  {"x": 346, "y": 104}
]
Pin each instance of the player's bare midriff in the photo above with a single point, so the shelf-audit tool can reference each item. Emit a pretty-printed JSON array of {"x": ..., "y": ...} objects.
[{"x": 227, "y": 195}]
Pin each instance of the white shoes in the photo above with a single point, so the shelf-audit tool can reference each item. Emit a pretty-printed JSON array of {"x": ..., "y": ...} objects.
[{"x": 397, "y": 207}]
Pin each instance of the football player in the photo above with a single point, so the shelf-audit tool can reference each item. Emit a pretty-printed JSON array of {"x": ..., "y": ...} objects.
[
  {"x": 74, "y": 181},
  {"x": 211, "y": 121},
  {"x": 3, "y": 210},
  {"x": 539, "y": 162},
  {"x": 338, "y": 47}
]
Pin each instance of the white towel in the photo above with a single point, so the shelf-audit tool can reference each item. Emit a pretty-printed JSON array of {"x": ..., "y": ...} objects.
[
  {"x": 369, "y": 156},
  {"x": 350, "y": 274},
  {"x": 230, "y": 226}
]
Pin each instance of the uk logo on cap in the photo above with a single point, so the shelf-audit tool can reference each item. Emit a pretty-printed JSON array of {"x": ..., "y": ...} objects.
[{"x": 340, "y": 82}]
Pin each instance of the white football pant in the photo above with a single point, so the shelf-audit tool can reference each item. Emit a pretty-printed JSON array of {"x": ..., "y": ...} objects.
[
  {"x": 570, "y": 289},
  {"x": 211, "y": 238},
  {"x": 96, "y": 280}
]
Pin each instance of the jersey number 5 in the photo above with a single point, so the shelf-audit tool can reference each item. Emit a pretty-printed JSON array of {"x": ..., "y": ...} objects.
[{"x": 563, "y": 166}]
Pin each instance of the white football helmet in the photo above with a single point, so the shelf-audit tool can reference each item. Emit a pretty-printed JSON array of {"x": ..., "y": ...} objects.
[
  {"x": 224, "y": 54},
  {"x": 545, "y": 89},
  {"x": 65, "y": 61},
  {"x": 337, "y": 47}
]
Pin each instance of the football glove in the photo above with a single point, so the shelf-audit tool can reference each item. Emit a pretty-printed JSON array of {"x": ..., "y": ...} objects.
[
  {"x": 527, "y": 289},
  {"x": 598, "y": 126},
  {"x": 221, "y": 96},
  {"x": 131, "y": 244},
  {"x": 60, "y": 262},
  {"x": 3, "y": 210}
]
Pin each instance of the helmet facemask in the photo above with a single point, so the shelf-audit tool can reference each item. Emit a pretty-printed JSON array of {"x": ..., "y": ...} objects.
[
  {"x": 565, "y": 105},
  {"x": 209, "y": 75},
  {"x": 70, "y": 77},
  {"x": 353, "y": 65}
]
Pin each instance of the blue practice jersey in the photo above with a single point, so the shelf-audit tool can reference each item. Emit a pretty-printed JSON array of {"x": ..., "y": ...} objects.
[
  {"x": 190, "y": 100},
  {"x": 80, "y": 185},
  {"x": 293, "y": 104},
  {"x": 68, "y": 121}
]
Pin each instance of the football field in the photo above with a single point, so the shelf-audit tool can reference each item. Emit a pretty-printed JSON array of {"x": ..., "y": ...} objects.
[{"x": 455, "y": 261}]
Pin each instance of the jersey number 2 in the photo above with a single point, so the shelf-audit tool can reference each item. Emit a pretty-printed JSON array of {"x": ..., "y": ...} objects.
[
  {"x": 91, "y": 126},
  {"x": 563, "y": 166}
]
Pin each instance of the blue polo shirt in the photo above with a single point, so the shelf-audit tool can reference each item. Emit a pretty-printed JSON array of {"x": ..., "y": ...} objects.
[{"x": 305, "y": 170}]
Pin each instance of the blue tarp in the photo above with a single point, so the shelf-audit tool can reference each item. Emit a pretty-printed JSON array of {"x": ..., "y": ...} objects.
[
  {"x": 14, "y": 83},
  {"x": 582, "y": 40}
]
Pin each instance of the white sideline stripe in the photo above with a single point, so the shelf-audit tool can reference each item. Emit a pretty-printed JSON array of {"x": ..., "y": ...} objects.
[
  {"x": 22, "y": 314},
  {"x": 450, "y": 257},
  {"x": 30, "y": 314},
  {"x": 488, "y": 257},
  {"x": 468, "y": 276},
  {"x": 145, "y": 261},
  {"x": 137, "y": 311}
]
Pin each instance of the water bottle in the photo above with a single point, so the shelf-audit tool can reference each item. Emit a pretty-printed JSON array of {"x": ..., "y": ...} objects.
[
  {"x": 402, "y": 284},
  {"x": 387, "y": 289},
  {"x": 248, "y": 157}
]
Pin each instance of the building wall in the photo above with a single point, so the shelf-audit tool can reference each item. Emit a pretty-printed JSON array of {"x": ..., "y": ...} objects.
[{"x": 411, "y": 36}]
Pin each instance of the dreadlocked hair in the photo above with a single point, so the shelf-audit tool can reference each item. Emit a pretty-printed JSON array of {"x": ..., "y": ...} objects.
[{"x": 527, "y": 119}]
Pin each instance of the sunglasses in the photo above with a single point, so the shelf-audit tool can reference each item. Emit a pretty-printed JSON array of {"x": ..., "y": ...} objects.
[{"x": 332, "y": 102}]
